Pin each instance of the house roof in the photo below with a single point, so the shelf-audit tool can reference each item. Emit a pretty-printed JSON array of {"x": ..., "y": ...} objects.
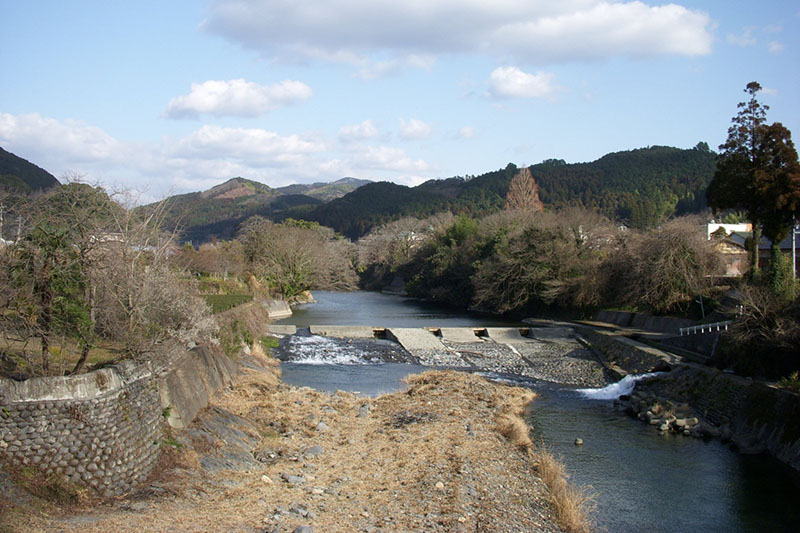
[{"x": 739, "y": 238}]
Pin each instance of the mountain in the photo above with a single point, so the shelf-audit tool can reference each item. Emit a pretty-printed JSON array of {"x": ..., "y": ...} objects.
[
  {"x": 22, "y": 175},
  {"x": 325, "y": 191},
  {"x": 217, "y": 212},
  {"x": 638, "y": 187}
]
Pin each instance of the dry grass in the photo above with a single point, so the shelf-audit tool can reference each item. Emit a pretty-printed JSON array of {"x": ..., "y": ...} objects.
[
  {"x": 570, "y": 504},
  {"x": 448, "y": 454}
]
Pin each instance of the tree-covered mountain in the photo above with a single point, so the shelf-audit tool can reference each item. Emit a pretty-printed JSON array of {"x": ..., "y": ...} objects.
[
  {"x": 23, "y": 176},
  {"x": 639, "y": 187},
  {"x": 325, "y": 191},
  {"x": 217, "y": 212}
]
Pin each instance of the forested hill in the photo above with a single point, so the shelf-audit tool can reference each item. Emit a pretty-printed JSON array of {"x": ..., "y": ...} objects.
[
  {"x": 23, "y": 176},
  {"x": 324, "y": 191},
  {"x": 217, "y": 212},
  {"x": 639, "y": 187}
]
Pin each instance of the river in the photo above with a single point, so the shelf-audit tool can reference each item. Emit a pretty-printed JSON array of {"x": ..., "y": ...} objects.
[{"x": 641, "y": 481}]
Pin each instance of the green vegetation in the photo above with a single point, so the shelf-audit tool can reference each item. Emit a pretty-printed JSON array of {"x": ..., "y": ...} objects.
[
  {"x": 518, "y": 262},
  {"x": 639, "y": 187},
  {"x": 233, "y": 335},
  {"x": 218, "y": 212},
  {"x": 87, "y": 272},
  {"x": 325, "y": 191},
  {"x": 17, "y": 173},
  {"x": 269, "y": 342},
  {"x": 223, "y": 302},
  {"x": 758, "y": 173},
  {"x": 791, "y": 382}
]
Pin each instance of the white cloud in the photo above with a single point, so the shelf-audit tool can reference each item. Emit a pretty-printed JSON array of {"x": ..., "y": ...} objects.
[
  {"x": 530, "y": 31},
  {"x": 511, "y": 82},
  {"x": 48, "y": 141},
  {"x": 202, "y": 158},
  {"x": 383, "y": 158},
  {"x": 775, "y": 47},
  {"x": 466, "y": 132},
  {"x": 414, "y": 129},
  {"x": 256, "y": 147},
  {"x": 381, "y": 69},
  {"x": 744, "y": 39},
  {"x": 237, "y": 98},
  {"x": 364, "y": 130}
]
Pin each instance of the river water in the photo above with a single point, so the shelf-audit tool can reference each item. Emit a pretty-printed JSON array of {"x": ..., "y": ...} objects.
[{"x": 641, "y": 481}]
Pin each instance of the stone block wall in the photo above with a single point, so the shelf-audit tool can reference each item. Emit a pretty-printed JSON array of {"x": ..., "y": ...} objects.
[{"x": 102, "y": 430}]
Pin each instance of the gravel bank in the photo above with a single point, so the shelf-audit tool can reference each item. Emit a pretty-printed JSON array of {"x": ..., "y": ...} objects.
[{"x": 278, "y": 458}]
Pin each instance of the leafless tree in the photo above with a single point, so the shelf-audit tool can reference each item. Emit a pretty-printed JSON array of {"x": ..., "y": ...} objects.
[{"x": 523, "y": 193}]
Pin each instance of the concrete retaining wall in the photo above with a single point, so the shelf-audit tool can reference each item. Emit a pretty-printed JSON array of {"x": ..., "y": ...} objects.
[
  {"x": 625, "y": 354},
  {"x": 627, "y": 319},
  {"x": 104, "y": 429}
]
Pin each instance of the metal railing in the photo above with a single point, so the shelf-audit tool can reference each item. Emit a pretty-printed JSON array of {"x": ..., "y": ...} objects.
[{"x": 706, "y": 328}]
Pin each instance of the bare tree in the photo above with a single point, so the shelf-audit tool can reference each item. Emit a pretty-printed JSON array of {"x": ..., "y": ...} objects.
[
  {"x": 669, "y": 267},
  {"x": 523, "y": 193}
]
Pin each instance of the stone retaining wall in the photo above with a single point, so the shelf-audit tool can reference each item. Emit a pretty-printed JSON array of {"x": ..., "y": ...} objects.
[
  {"x": 104, "y": 429},
  {"x": 757, "y": 417}
]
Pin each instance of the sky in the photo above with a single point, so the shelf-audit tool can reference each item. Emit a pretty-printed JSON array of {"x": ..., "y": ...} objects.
[{"x": 167, "y": 97}]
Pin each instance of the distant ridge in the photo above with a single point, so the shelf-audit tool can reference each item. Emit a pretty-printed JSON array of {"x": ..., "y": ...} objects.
[
  {"x": 21, "y": 175},
  {"x": 638, "y": 187},
  {"x": 218, "y": 211},
  {"x": 325, "y": 191}
]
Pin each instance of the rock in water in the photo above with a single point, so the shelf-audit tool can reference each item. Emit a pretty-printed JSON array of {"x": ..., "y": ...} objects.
[{"x": 579, "y": 442}]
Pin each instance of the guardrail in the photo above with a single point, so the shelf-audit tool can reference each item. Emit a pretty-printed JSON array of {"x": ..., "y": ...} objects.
[{"x": 706, "y": 328}]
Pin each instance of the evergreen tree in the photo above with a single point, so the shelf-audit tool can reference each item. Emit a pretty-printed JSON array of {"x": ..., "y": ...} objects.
[{"x": 758, "y": 172}]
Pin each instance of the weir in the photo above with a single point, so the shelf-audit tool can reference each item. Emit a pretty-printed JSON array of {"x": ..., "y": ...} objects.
[{"x": 546, "y": 353}]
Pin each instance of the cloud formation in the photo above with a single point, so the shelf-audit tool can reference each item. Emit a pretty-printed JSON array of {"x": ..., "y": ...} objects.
[
  {"x": 530, "y": 31},
  {"x": 356, "y": 132},
  {"x": 237, "y": 97},
  {"x": 203, "y": 157},
  {"x": 511, "y": 82},
  {"x": 466, "y": 132},
  {"x": 414, "y": 129}
]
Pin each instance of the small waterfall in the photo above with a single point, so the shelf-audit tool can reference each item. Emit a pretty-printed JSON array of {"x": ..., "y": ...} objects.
[
  {"x": 615, "y": 390},
  {"x": 316, "y": 350}
]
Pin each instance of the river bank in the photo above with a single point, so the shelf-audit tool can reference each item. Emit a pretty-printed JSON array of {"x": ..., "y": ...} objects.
[{"x": 445, "y": 455}]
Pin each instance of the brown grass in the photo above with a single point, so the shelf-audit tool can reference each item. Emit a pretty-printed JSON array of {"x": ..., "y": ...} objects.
[
  {"x": 570, "y": 503},
  {"x": 451, "y": 453}
]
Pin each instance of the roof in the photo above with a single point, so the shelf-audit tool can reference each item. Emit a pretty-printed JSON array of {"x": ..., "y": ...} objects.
[{"x": 739, "y": 238}]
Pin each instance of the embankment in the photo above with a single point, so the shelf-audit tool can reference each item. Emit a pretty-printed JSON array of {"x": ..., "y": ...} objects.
[{"x": 757, "y": 417}]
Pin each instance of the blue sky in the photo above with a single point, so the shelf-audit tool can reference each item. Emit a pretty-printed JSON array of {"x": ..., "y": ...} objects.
[{"x": 177, "y": 96}]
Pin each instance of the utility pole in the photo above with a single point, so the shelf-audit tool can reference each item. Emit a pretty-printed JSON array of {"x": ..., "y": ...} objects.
[{"x": 794, "y": 249}]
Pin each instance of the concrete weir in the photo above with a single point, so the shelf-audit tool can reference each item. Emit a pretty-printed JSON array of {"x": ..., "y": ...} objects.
[{"x": 548, "y": 353}]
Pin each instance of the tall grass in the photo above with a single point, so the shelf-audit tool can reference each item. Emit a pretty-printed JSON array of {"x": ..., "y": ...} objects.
[{"x": 570, "y": 504}]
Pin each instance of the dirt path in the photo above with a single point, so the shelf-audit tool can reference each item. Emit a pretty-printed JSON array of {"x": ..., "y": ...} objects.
[{"x": 270, "y": 457}]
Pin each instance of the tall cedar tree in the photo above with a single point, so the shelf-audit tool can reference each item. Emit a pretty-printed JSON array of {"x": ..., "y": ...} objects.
[{"x": 758, "y": 172}]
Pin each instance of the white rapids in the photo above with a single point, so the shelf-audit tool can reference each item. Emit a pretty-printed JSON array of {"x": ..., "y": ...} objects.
[
  {"x": 615, "y": 390},
  {"x": 316, "y": 350}
]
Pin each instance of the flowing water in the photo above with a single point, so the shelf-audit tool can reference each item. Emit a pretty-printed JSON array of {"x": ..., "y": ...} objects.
[{"x": 641, "y": 481}]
